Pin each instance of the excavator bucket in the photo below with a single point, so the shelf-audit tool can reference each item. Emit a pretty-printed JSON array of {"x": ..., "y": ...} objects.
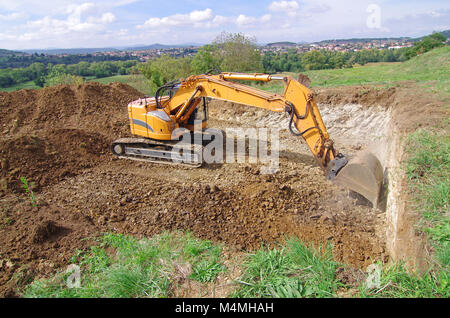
[{"x": 364, "y": 175}]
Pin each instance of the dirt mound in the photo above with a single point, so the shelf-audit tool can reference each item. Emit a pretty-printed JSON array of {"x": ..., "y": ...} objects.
[
  {"x": 91, "y": 106},
  {"x": 50, "y": 156},
  {"x": 37, "y": 241},
  {"x": 56, "y": 132}
]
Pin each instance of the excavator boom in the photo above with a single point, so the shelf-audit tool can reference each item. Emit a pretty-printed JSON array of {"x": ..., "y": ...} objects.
[{"x": 156, "y": 119}]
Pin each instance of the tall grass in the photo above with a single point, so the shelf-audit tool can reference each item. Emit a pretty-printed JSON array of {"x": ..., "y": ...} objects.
[
  {"x": 427, "y": 169},
  {"x": 293, "y": 270},
  {"x": 397, "y": 282}
]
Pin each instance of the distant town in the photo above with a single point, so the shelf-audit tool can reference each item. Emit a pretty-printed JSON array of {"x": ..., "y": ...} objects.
[
  {"x": 332, "y": 45},
  {"x": 146, "y": 53}
]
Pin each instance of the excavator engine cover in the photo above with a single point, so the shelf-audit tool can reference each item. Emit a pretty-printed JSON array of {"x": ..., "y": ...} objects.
[{"x": 362, "y": 174}]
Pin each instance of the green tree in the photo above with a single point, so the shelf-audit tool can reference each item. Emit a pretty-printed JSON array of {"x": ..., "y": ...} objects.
[
  {"x": 237, "y": 53},
  {"x": 83, "y": 69},
  {"x": 205, "y": 60},
  {"x": 5, "y": 79},
  {"x": 37, "y": 69},
  {"x": 313, "y": 60},
  {"x": 428, "y": 43},
  {"x": 164, "y": 69}
]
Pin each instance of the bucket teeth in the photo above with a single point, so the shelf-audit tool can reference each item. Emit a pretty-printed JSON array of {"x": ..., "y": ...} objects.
[{"x": 364, "y": 175}]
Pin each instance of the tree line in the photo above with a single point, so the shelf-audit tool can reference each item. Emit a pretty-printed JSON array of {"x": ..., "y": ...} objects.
[
  {"x": 47, "y": 75},
  {"x": 292, "y": 61},
  {"x": 23, "y": 61}
]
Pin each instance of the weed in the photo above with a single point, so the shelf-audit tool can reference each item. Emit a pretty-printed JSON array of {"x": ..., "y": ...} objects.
[
  {"x": 28, "y": 189},
  {"x": 8, "y": 221}
]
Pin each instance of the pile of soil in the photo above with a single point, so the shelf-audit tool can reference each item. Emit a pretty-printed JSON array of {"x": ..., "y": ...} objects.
[
  {"x": 57, "y": 132},
  {"x": 63, "y": 152},
  {"x": 91, "y": 106},
  {"x": 38, "y": 241}
]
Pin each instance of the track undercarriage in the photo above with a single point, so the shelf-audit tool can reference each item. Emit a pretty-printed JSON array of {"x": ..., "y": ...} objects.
[{"x": 156, "y": 151}]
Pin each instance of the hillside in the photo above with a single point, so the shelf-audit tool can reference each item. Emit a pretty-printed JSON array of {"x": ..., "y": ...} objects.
[
  {"x": 4, "y": 53},
  {"x": 431, "y": 66}
]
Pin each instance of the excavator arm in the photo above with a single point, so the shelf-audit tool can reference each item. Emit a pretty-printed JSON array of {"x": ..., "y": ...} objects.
[
  {"x": 157, "y": 118},
  {"x": 297, "y": 100}
]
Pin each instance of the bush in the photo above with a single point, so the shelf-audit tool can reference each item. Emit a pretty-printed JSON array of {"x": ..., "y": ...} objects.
[{"x": 56, "y": 77}]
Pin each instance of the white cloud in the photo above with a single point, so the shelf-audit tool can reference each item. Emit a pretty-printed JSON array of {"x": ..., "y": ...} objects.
[
  {"x": 199, "y": 16},
  {"x": 108, "y": 18},
  {"x": 123, "y": 3},
  {"x": 85, "y": 18},
  {"x": 65, "y": 23},
  {"x": 289, "y": 8},
  {"x": 123, "y": 32},
  {"x": 284, "y": 6},
  {"x": 11, "y": 16},
  {"x": 78, "y": 10},
  {"x": 4, "y": 37},
  {"x": 266, "y": 18},
  {"x": 219, "y": 20},
  {"x": 245, "y": 20},
  {"x": 193, "y": 18}
]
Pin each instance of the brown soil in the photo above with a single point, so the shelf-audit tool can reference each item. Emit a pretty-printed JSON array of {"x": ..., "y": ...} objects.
[{"x": 59, "y": 139}]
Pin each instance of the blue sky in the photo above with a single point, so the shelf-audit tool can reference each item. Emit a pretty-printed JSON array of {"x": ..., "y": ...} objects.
[{"x": 26, "y": 24}]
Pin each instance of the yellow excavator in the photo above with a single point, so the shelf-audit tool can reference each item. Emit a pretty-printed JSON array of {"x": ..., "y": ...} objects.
[{"x": 176, "y": 106}]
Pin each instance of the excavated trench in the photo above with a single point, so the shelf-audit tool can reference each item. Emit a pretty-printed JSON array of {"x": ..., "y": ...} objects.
[
  {"x": 354, "y": 127},
  {"x": 58, "y": 138}
]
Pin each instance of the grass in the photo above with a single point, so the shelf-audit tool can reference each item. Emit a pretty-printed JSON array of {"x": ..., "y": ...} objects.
[
  {"x": 433, "y": 66},
  {"x": 137, "y": 81},
  {"x": 28, "y": 187},
  {"x": 123, "y": 266},
  {"x": 427, "y": 169},
  {"x": 397, "y": 282},
  {"x": 25, "y": 85},
  {"x": 293, "y": 270},
  {"x": 296, "y": 270}
]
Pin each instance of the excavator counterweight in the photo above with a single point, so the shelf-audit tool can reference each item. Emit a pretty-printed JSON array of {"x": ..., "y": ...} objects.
[{"x": 157, "y": 121}]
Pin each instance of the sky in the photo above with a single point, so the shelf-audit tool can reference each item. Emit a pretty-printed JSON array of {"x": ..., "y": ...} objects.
[{"x": 31, "y": 24}]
